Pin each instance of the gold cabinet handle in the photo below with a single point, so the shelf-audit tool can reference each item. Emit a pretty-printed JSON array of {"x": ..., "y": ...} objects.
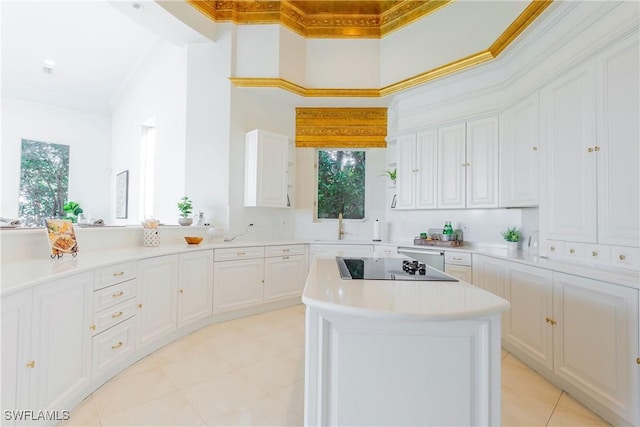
[
  {"x": 285, "y": 250},
  {"x": 139, "y": 305},
  {"x": 572, "y": 251},
  {"x": 118, "y": 274},
  {"x": 622, "y": 257},
  {"x": 286, "y": 257},
  {"x": 590, "y": 150},
  {"x": 553, "y": 248},
  {"x": 31, "y": 364},
  {"x": 594, "y": 253},
  {"x": 535, "y": 148},
  {"x": 181, "y": 291},
  {"x": 638, "y": 360},
  {"x": 117, "y": 294},
  {"x": 92, "y": 327},
  {"x": 116, "y": 315},
  {"x": 455, "y": 258},
  {"x": 548, "y": 320},
  {"x": 596, "y": 148},
  {"x": 241, "y": 253},
  {"x": 113, "y": 347}
]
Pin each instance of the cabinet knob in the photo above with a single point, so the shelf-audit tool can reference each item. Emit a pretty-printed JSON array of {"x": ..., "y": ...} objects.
[
  {"x": 285, "y": 250},
  {"x": 590, "y": 150},
  {"x": 553, "y": 248},
  {"x": 638, "y": 360},
  {"x": 596, "y": 148},
  {"x": 285, "y": 257},
  {"x": 572, "y": 251},
  {"x": 181, "y": 291},
  {"x": 113, "y": 347},
  {"x": 622, "y": 257},
  {"x": 455, "y": 258},
  {"x": 594, "y": 253},
  {"x": 535, "y": 148},
  {"x": 92, "y": 327},
  {"x": 241, "y": 253},
  {"x": 139, "y": 305},
  {"x": 31, "y": 364},
  {"x": 549, "y": 320}
]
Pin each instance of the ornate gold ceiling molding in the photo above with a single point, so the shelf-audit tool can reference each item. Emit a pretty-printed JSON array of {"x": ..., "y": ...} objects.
[
  {"x": 535, "y": 8},
  {"x": 365, "y": 24},
  {"x": 341, "y": 127}
]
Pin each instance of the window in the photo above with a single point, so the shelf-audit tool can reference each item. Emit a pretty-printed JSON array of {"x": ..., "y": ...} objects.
[
  {"x": 341, "y": 184},
  {"x": 147, "y": 169},
  {"x": 44, "y": 182}
]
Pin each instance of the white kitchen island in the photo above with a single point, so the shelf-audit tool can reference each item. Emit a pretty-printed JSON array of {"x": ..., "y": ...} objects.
[{"x": 390, "y": 352}]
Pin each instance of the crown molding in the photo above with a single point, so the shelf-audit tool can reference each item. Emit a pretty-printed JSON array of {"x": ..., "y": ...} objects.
[{"x": 529, "y": 15}]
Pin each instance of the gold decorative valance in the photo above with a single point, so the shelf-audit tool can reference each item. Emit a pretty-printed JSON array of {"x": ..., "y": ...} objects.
[{"x": 341, "y": 127}]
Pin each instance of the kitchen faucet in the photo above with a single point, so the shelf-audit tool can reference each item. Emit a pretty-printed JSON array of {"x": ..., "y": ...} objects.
[{"x": 340, "y": 227}]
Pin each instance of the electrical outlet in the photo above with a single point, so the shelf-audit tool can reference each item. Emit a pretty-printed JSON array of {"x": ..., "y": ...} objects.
[{"x": 465, "y": 228}]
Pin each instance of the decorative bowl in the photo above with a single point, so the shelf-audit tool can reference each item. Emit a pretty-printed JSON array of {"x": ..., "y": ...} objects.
[{"x": 193, "y": 240}]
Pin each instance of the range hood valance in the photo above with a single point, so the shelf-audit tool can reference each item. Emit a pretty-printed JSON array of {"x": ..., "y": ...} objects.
[{"x": 341, "y": 127}]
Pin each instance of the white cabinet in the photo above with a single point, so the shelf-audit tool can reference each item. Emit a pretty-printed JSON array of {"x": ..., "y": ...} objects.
[
  {"x": 596, "y": 343},
  {"x": 527, "y": 325},
  {"x": 519, "y": 149},
  {"x": 157, "y": 298},
  {"x": 195, "y": 286},
  {"x": 60, "y": 341},
  {"x": 16, "y": 340},
  {"x": 451, "y": 166},
  {"x": 417, "y": 170},
  {"x": 589, "y": 123},
  {"x": 488, "y": 274},
  {"x": 458, "y": 264},
  {"x": 284, "y": 277},
  {"x": 618, "y": 100},
  {"x": 468, "y": 164},
  {"x": 266, "y": 166},
  {"x": 461, "y": 272},
  {"x": 238, "y": 284}
]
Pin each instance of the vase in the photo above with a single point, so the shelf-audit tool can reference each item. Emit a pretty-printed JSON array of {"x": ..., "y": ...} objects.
[
  {"x": 512, "y": 247},
  {"x": 185, "y": 221}
]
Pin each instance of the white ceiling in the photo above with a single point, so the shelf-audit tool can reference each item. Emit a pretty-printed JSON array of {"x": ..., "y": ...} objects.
[{"x": 96, "y": 46}]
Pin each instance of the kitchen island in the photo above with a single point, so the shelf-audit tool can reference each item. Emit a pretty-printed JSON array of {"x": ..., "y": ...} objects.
[{"x": 392, "y": 352}]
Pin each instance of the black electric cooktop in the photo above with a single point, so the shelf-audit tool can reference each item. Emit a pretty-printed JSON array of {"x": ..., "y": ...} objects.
[{"x": 388, "y": 269}]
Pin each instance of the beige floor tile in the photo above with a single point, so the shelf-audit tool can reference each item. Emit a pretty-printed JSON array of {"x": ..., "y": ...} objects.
[
  {"x": 287, "y": 342},
  {"x": 183, "y": 348},
  {"x": 246, "y": 353},
  {"x": 274, "y": 373},
  {"x": 292, "y": 396},
  {"x": 223, "y": 335},
  {"x": 171, "y": 410},
  {"x": 196, "y": 369},
  {"x": 222, "y": 395},
  {"x": 570, "y": 412},
  {"x": 130, "y": 390},
  {"x": 85, "y": 414},
  {"x": 264, "y": 412}
]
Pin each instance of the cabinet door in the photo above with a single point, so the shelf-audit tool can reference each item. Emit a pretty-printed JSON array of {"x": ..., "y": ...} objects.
[
  {"x": 195, "y": 288},
  {"x": 284, "y": 277},
  {"x": 568, "y": 125},
  {"x": 596, "y": 341},
  {"x": 528, "y": 323},
  {"x": 238, "y": 284},
  {"x": 61, "y": 339},
  {"x": 519, "y": 143},
  {"x": 451, "y": 166},
  {"x": 406, "y": 182},
  {"x": 461, "y": 272},
  {"x": 157, "y": 298},
  {"x": 482, "y": 163},
  {"x": 618, "y": 135},
  {"x": 488, "y": 274},
  {"x": 16, "y": 340},
  {"x": 426, "y": 170},
  {"x": 266, "y": 169}
]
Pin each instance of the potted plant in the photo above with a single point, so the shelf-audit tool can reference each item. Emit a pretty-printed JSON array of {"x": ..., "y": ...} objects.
[
  {"x": 72, "y": 210},
  {"x": 393, "y": 175},
  {"x": 185, "y": 207},
  {"x": 512, "y": 236}
]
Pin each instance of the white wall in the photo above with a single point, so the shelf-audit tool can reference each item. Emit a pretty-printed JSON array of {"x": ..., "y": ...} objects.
[
  {"x": 88, "y": 136},
  {"x": 158, "y": 92},
  {"x": 343, "y": 63}
]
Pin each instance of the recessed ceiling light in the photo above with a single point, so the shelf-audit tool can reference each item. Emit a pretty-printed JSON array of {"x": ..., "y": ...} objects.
[{"x": 137, "y": 6}]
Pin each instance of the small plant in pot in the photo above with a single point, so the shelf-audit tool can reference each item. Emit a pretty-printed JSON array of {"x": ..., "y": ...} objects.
[
  {"x": 185, "y": 207},
  {"x": 512, "y": 236},
  {"x": 72, "y": 210},
  {"x": 393, "y": 175}
]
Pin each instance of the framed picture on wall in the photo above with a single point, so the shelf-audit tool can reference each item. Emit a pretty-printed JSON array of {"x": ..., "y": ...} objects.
[{"x": 122, "y": 194}]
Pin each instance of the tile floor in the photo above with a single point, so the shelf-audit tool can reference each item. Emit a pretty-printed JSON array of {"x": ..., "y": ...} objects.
[{"x": 250, "y": 371}]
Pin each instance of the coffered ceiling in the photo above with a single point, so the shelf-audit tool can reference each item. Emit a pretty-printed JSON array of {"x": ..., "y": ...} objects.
[{"x": 320, "y": 18}]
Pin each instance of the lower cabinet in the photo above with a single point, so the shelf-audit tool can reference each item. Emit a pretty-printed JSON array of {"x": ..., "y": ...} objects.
[
  {"x": 238, "y": 284},
  {"x": 462, "y": 272},
  {"x": 488, "y": 274},
  {"x": 195, "y": 283},
  {"x": 157, "y": 298}
]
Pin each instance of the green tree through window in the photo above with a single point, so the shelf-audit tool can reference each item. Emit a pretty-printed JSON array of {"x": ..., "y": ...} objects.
[
  {"x": 44, "y": 181},
  {"x": 341, "y": 184}
]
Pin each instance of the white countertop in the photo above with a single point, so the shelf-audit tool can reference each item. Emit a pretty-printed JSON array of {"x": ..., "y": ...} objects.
[{"x": 396, "y": 299}]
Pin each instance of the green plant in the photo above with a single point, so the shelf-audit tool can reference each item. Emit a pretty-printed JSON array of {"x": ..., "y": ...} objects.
[
  {"x": 185, "y": 207},
  {"x": 393, "y": 175},
  {"x": 72, "y": 210},
  {"x": 511, "y": 234}
]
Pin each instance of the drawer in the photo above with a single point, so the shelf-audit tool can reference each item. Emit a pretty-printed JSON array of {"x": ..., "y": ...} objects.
[
  {"x": 108, "y": 297},
  {"x": 280, "y": 250},
  {"x": 114, "y": 274},
  {"x": 625, "y": 257},
  {"x": 598, "y": 254},
  {"x": 113, "y": 315},
  {"x": 574, "y": 251},
  {"x": 112, "y": 346},
  {"x": 238, "y": 253},
  {"x": 554, "y": 249},
  {"x": 457, "y": 258}
]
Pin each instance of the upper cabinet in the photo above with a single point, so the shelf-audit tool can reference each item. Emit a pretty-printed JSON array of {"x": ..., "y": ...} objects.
[
  {"x": 417, "y": 166},
  {"x": 519, "y": 148},
  {"x": 589, "y": 125},
  {"x": 269, "y": 162},
  {"x": 451, "y": 166}
]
